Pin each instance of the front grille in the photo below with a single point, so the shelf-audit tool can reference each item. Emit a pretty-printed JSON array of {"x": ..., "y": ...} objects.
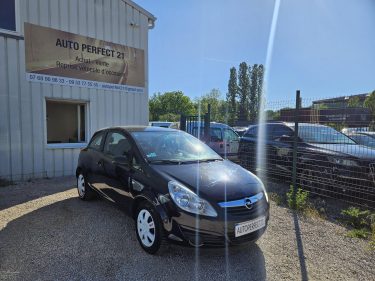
[{"x": 242, "y": 212}]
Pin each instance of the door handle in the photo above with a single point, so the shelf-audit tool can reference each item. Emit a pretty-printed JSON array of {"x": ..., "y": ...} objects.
[
  {"x": 100, "y": 163},
  {"x": 228, "y": 144}
]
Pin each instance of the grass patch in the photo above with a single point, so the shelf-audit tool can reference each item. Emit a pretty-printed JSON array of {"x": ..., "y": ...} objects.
[
  {"x": 362, "y": 223},
  {"x": 362, "y": 233},
  {"x": 298, "y": 203},
  {"x": 357, "y": 218}
]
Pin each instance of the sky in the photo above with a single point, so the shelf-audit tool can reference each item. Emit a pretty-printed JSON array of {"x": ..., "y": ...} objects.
[{"x": 325, "y": 48}]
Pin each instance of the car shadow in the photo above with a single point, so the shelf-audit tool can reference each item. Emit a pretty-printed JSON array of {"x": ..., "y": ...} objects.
[
  {"x": 78, "y": 240},
  {"x": 31, "y": 190}
]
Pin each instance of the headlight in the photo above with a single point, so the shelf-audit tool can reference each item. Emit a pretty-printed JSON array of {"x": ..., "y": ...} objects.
[
  {"x": 343, "y": 162},
  {"x": 189, "y": 201}
]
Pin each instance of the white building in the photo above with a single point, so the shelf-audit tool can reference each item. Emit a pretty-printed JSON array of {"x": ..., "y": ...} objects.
[{"x": 81, "y": 65}]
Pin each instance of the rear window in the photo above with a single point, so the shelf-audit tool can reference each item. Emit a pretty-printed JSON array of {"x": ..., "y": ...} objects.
[{"x": 96, "y": 141}]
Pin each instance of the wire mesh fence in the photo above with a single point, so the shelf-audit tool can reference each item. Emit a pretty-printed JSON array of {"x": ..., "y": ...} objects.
[{"x": 334, "y": 147}]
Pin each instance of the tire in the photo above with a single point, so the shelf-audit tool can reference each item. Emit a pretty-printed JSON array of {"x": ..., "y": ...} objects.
[
  {"x": 148, "y": 229},
  {"x": 85, "y": 192}
]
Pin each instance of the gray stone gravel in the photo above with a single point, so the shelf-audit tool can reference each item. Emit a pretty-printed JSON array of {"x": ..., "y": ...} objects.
[{"x": 47, "y": 233}]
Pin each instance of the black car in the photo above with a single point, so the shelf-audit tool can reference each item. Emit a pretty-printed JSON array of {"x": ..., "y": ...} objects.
[
  {"x": 364, "y": 138},
  {"x": 174, "y": 186},
  {"x": 325, "y": 157}
]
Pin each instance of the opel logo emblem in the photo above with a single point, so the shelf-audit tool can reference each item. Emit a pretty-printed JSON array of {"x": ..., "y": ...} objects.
[{"x": 248, "y": 203}]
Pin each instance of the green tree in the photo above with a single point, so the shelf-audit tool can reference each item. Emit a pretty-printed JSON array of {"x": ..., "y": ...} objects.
[
  {"x": 243, "y": 91},
  {"x": 231, "y": 96},
  {"x": 256, "y": 88},
  {"x": 370, "y": 104},
  {"x": 354, "y": 102},
  {"x": 170, "y": 105},
  {"x": 218, "y": 105}
]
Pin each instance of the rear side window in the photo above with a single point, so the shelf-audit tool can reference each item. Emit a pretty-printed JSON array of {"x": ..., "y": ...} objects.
[
  {"x": 230, "y": 135},
  {"x": 215, "y": 133},
  {"x": 280, "y": 130},
  {"x": 96, "y": 141},
  {"x": 251, "y": 132},
  {"x": 117, "y": 144}
]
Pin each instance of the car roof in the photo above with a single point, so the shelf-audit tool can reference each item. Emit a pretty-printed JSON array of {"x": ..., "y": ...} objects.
[
  {"x": 372, "y": 134},
  {"x": 131, "y": 129},
  {"x": 291, "y": 124},
  {"x": 212, "y": 124}
]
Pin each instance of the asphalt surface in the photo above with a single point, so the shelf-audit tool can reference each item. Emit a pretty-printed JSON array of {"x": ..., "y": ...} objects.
[{"x": 47, "y": 233}]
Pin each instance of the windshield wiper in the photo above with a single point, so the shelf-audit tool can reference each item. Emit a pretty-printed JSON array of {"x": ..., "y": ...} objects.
[
  {"x": 201, "y": 160},
  {"x": 164, "y": 161}
]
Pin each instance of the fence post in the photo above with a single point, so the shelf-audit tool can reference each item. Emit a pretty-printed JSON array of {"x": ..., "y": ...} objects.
[
  {"x": 295, "y": 144},
  {"x": 183, "y": 123},
  {"x": 207, "y": 120}
]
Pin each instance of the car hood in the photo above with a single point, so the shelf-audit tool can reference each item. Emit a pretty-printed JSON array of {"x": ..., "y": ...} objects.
[
  {"x": 217, "y": 181},
  {"x": 354, "y": 150}
]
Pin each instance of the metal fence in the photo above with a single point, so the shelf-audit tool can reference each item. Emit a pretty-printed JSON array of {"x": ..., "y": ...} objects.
[{"x": 325, "y": 147}]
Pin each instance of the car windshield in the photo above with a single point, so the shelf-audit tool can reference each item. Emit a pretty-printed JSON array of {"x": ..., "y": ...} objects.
[
  {"x": 173, "y": 146},
  {"x": 322, "y": 134},
  {"x": 364, "y": 140}
]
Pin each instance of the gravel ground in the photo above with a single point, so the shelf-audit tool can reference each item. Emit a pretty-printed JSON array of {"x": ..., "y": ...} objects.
[{"x": 47, "y": 233}]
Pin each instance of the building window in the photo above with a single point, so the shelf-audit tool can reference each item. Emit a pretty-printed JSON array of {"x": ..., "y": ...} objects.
[
  {"x": 8, "y": 15},
  {"x": 66, "y": 122}
]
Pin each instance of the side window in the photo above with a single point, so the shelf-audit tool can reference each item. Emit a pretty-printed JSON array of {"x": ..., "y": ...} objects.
[
  {"x": 96, "y": 141},
  {"x": 116, "y": 144},
  {"x": 229, "y": 135},
  {"x": 252, "y": 132},
  {"x": 281, "y": 130}
]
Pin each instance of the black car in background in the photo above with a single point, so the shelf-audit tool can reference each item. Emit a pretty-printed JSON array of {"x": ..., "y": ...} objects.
[
  {"x": 363, "y": 138},
  {"x": 174, "y": 186},
  {"x": 326, "y": 158}
]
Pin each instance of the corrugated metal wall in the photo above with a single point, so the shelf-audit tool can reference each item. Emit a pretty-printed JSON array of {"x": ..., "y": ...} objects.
[{"x": 23, "y": 150}]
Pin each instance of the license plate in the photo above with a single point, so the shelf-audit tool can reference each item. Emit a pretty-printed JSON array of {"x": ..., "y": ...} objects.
[{"x": 249, "y": 226}]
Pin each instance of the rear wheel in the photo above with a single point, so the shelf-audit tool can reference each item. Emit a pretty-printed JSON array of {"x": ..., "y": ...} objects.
[
  {"x": 84, "y": 190},
  {"x": 148, "y": 228}
]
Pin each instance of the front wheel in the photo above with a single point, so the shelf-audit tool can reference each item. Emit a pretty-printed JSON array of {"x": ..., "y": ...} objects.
[
  {"x": 148, "y": 228},
  {"x": 84, "y": 190}
]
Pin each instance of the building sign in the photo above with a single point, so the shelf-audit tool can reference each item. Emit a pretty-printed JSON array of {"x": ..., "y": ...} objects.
[{"x": 59, "y": 57}]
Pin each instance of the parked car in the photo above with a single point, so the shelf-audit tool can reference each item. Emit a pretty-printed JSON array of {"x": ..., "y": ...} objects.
[
  {"x": 174, "y": 186},
  {"x": 166, "y": 124},
  {"x": 325, "y": 156},
  {"x": 223, "y": 139},
  {"x": 364, "y": 138}
]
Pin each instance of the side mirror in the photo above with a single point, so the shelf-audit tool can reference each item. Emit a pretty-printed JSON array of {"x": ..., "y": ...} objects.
[
  {"x": 286, "y": 138},
  {"x": 289, "y": 139}
]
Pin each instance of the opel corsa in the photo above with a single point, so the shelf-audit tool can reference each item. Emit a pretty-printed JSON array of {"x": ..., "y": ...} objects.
[{"x": 174, "y": 186}]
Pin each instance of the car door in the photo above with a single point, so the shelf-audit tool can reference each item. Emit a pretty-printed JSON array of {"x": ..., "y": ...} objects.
[
  {"x": 116, "y": 163},
  {"x": 94, "y": 170},
  {"x": 281, "y": 151},
  {"x": 231, "y": 141},
  {"x": 247, "y": 149}
]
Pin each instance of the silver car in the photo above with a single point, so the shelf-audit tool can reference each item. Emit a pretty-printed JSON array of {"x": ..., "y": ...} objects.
[{"x": 223, "y": 139}]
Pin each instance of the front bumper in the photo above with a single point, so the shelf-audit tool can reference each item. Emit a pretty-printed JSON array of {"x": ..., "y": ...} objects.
[{"x": 219, "y": 231}]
